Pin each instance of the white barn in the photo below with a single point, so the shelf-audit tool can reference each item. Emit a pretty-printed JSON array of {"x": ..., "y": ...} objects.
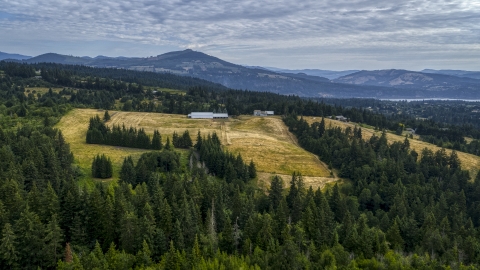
[{"x": 207, "y": 115}]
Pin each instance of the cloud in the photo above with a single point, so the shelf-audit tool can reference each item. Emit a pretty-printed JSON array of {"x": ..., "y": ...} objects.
[{"x": 305, "y": 32}]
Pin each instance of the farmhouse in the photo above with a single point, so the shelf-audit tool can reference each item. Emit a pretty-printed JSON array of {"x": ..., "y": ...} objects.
[
  {"x": 207, "y": 115},
  {"x": 262, "y": 113}
]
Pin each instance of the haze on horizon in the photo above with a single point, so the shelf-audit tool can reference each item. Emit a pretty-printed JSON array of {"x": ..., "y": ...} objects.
[{"x": 335, "y": 35}]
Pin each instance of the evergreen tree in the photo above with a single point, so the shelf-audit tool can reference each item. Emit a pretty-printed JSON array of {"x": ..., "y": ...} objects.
[
  {"x": 275, "y": 193},
  {"x": 167, "y": 144},
  {"x": 394, "y": 237},
  {"x": 252, "y": 171},
  {"x": 8, "y": 252},
  {"x": 127, "y": 172},
  {"x": 156, "y": 140},
  {"x": 53, "y": 243},
  {"x": 102, "y": 167},
  {"x": 106, "y": 116}
]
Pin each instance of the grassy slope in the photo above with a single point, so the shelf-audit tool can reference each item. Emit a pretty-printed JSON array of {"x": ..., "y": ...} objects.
[
  {"x": 74, "y": 128},
  {"x": 265, "y": 140},
  {"x": 470, "y": 162}
]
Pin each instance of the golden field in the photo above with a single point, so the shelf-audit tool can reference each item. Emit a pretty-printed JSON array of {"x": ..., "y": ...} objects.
[
  {"x": 470, "y": 162},
  {"x": 266, "y": 141},
  {"x": 41, "y": 90}
]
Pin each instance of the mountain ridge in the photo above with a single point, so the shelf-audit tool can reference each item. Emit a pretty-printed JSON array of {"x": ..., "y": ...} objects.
[
  {"x": 13, "y": 56},
  {"x": 383, "y": 84}
]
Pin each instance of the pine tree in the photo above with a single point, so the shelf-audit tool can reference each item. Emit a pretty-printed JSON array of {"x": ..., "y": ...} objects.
[
  {"x": 156, "y": 140},
  {"x": 53, "y": 242},
  {"x": 275, "y": 194},
  {"x": 198, "y": 144},
  {"x": 252, "y": 170},
  {"x": 187, "y": 141},
  {"x": 127, "y": 172},
  {"x": 167, "y": 144},
  {"x": 102, "y": 167},
  {"x": 8, "y": 252},
  {"x": 30, "y": 233},
  {"x": 176, "y": 140},
  {"x": 106, "y": 116},
  {"x": 321, "y": 128},
  {"x": 394, "y": 237}
]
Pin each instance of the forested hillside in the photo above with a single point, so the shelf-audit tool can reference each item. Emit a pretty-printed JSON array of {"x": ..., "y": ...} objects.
[{"x": 396, "y": 209}]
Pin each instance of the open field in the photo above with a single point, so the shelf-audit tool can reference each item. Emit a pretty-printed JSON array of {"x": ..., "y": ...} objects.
[
  {"x": 273, "y": 148},
  {"x": 41, "y": 90},
  {"x": 74, "y": 127},
  {"x": 265, "y": 140},
  {"x": 470, "y": 162}
]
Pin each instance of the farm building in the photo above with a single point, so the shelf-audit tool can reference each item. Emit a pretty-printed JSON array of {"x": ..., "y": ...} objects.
[
  {"x": 207, "y": 115},
  {"x": 339, "y": 118},
  {"x": 410, "y": 130},
  {"x": 262, "y": 113}
]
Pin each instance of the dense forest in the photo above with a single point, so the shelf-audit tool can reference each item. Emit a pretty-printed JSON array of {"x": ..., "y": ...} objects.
[
  {"x": 396, "y": 208},
  {"x": 445, "y": 123}
]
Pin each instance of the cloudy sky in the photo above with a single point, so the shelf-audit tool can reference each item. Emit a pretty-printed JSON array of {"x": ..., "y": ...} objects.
[{"x": 337, "y": 34}]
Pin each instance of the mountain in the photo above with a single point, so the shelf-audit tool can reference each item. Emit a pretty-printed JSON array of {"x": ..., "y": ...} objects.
[
  {"x": 458, "y": 73},
  {"x": 386, "y": 84},
  {"x": 59, "y": 59},
  {"x": 4, "y": 56},
  {"x": 203, "y": 66},
  {"x": 434, "y": 85},
  {"x": 329, "y": 74}
]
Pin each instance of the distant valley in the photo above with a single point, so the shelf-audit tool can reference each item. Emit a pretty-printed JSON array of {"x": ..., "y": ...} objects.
[{"x": 382, "y": 84}]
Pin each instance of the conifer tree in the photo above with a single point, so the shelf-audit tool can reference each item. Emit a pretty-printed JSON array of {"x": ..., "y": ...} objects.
[
  {"x": 394, "y": 237},
  {"x": 156, "y": 140},
  {"x": 106, "y": 116},
  {"x": 252, "y": 170},
  {"x": 8, "y": 252},
  {"x": 102, "y": 167},
  {"x": 198, "y": 144},
  {"x": 167, "y": 144},
  {"x": 127, "y": 172},
  {"x": 187, "y": 141},
  {"x": 53, "y": 242},
  {"x": 275, "y": 194}
]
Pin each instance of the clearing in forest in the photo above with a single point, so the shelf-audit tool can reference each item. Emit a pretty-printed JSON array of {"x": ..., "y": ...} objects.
[
  {"x": 265, "y": 140},
  {"x": 470, "y": 162}
]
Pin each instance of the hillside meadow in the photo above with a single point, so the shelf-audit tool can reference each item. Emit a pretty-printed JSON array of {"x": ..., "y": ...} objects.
[
  {"x": 470, "y": 162},
  {"x": 266, "y": 141}
]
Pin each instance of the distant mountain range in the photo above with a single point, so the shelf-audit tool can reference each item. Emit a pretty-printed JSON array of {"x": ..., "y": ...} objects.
[
  {"x": 308, "y": 82},
  {"x": 329, "y": 74},
  {"x": 4, "y": 56},
  {"x": 433, "y": 84},
  {"x": 458, "y": 73}
]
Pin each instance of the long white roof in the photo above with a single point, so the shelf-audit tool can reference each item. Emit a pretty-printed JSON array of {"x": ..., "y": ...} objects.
[{"x": 202, "y": 114}]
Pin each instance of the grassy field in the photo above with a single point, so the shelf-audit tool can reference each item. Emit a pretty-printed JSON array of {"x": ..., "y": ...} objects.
[
  {"x": 74, "y": 128},
  {"x": 41, "y": 90},
  {"x": 265, "y": 140},
  {"x": 470, "y": 162}
]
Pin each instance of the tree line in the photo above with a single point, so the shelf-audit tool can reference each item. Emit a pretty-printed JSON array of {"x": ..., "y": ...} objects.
[{"x": 99, "y": 133}]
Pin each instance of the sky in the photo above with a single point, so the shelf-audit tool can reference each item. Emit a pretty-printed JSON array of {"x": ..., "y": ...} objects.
[{"x": 319, "y": 34}]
